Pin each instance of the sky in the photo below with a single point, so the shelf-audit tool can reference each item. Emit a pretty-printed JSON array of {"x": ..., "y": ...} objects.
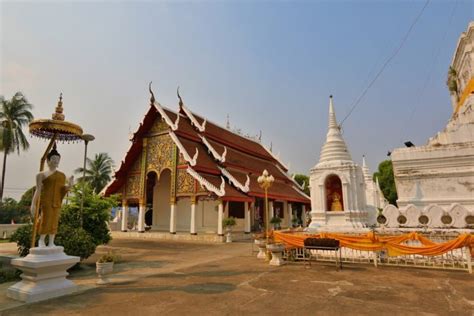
[{"x": 268, "y": 65}]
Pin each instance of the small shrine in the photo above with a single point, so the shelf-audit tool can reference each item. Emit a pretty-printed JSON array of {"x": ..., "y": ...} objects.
[{"x": 343, "y": 195}]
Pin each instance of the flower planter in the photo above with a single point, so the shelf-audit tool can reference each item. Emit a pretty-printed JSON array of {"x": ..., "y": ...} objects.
[
  {"x": 276, "y": 250},
  {"x": 261, "y": 244},
  {"x": 228, "y": 236},
  {"x": 103, "y": 269}
]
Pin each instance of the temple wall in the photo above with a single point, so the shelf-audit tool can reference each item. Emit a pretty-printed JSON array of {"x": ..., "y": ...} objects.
[{"x": 431, "y": 216}]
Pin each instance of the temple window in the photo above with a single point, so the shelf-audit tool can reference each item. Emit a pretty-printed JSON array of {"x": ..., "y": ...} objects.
[{"x": 236, "y": 209}]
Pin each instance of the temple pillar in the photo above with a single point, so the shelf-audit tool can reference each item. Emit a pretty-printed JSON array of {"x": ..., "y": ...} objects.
[
  {"x": 303, "y": 214},
  {"x": 271, "y": 210},
  {"x": 220, "y": 217},
  {"x": 124, "y": 216},
  {"x": 173, "y": 217},
  {"x": 141, "y": 218},
  {"x": 290, "y": 213},
  {"x": 192, "y": 228},
  {"x": 252, "y": 213},
  {"x": 285, "y": 213},
  {"x": 247, "y": 218}
]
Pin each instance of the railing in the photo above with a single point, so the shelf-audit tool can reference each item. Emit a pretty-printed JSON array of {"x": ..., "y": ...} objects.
[{"x": 458, "y": 259}]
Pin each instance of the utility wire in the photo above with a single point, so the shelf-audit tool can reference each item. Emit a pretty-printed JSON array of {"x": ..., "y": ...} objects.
[
  {"x": 430, "y": 74},
  {"x": 394, "y": 54}
]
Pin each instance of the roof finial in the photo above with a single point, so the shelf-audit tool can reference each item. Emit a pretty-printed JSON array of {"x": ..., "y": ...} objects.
[
  {"x": 58, "y": 114},
  {"x": 260, "y": 136},
  {"x": 180, "y": 99},
  {"x": 227, "y": 125},
  {"x": 271, "y": 146},
  {"x": 152, "y": 98}
]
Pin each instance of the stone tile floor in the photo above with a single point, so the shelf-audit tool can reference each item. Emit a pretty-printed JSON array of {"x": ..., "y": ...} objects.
[{"x": 178, "y": 278}]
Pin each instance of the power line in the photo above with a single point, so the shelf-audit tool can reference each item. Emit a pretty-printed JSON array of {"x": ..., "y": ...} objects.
[
  {"x": 394, "y": 54},
  {"x": 430, "y": 74}
]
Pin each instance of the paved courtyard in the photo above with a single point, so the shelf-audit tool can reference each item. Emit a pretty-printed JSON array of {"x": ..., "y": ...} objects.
[{"x": 178, "y": 278}]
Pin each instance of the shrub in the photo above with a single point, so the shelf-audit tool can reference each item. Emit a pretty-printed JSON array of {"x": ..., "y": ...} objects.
[
  {"x": 229, "y": 222},
  {"x": 22, "y": 237},
  {"x": 108, "y": 257},
  {"x": 76, "y": 241},
  {"x": 275, "y": 220}
]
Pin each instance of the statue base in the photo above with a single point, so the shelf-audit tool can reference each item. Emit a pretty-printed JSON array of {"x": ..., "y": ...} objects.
[{"x": 44, "y": 275}]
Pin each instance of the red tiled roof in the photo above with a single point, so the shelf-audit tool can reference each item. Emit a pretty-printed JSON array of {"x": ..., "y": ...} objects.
[{"x": 243, "y": 157}]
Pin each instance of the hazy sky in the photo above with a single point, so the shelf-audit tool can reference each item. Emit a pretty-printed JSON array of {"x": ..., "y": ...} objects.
[{"x": 269, "y": 65}]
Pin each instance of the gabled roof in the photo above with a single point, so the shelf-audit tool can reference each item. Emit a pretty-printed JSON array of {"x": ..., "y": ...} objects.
[{"x": 223, "y": 162}]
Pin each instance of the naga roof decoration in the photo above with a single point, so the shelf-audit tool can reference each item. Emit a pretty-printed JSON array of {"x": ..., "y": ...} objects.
[
  {"x": 244, "y": 188},
  {"x": 183, "y": 151},
  {"x": 206, "y": 184},
  {"x": 219, "y": 154},
  {"x": 214, "y": 152}
]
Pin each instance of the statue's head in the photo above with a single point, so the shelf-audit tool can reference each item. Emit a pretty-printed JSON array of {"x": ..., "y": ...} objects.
[{"x": 53, "y": 158}]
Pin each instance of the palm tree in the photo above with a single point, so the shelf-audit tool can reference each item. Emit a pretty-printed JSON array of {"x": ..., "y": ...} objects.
[
  {"x": 14, "y": 115},
  {"x": 98, "y": 171}
]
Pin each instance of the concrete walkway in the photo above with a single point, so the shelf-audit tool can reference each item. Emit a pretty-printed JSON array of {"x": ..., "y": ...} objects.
[{"x": 168, "y": 277}]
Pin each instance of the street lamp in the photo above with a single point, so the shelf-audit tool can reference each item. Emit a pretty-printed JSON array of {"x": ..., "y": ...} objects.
[
  {"x": 86, "y": 138},
  {"x": 265, "y": 181}
]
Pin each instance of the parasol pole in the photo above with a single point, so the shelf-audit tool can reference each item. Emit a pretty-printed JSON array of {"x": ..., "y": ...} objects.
[{"x": 43, "y": 159}]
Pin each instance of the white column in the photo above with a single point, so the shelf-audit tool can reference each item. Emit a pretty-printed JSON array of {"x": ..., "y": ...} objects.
[
  {"x": 322, "y": 198},
  {"x": 285, "y": 213},
  {"x": 220, "y": 217},
  {"x": 290, "y": 213},
  {"x": 303, "y": 214},
  {"x": 247, "y": 218},
  {"x": 252, "y": 215},
  {"x": 192, "y": 228},
  {"x": 173, "y": 218},
  {"x": 124, "y": 216},
  {"x": 271, "y": 211},
  {"x": 141, "y": 218}
]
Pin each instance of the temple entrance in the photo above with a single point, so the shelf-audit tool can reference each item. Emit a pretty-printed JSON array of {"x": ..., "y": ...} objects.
[
  {"x": 334, "y": 197},
  {"x": 150, "y": 185},
  {"x": 161, "y": 201}
]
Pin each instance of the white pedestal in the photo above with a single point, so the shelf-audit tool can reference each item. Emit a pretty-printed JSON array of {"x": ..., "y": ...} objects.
[
  {"x": 44, "y": 275},
  {"x": 276, "y": 250},
  {"x": 262, "y": 248}
]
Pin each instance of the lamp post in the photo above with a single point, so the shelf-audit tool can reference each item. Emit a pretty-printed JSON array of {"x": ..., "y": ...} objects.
[
  {"x": 86, "y": 138},
  {"x": 265, "y": 181}
]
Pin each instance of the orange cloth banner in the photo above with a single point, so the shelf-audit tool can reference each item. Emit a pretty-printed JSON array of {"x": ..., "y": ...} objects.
[{"x": 371, "y": 242}]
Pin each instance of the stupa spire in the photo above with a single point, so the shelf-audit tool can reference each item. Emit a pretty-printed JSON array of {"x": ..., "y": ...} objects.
[{"x": 335, "y": 147}]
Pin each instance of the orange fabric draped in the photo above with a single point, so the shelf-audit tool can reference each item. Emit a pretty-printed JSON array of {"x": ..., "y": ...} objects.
[{"x": 371, "y": 242}]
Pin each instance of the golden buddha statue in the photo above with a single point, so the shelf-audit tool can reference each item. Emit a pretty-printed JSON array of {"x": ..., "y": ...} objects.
[
  {"x": 50, "y": 189},
  {"x": 336, "y": 204}
]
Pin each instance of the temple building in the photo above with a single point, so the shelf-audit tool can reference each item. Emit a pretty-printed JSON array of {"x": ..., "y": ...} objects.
[
  {"x": 344, "y": 196},
  {"x": 186, "y": 174},
  {"x": 441, "y": 172}
]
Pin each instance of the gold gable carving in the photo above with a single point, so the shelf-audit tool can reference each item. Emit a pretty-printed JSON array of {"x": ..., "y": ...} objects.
[
  {"x": 160, "y": 153},
  {"x": 185, "y": 182},
  {"x": 159, "y": 126},
  {"x": 133, "y": 186}
]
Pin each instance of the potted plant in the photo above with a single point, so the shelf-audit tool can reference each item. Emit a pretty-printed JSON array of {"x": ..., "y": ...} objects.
[
  {"x": 228, "y": 223},
  {"x": 294, "y": 221},
  {"x": 275, "y": 221},
  {"x": 105, "y": 266}
]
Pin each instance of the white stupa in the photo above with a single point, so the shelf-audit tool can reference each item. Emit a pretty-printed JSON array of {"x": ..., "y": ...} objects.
[{"x": 340, "y": 189}]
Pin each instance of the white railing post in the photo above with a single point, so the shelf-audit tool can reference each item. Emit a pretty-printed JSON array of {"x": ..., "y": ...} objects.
[{"x": 469, "y": 261}]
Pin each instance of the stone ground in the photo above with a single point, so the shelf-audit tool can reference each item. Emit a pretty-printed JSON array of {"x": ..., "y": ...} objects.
[{"x": 167, "y": 277}]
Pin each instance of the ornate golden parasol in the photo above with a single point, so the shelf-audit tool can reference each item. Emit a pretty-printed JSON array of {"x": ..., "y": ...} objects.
[{"x": 55, "y": 129}]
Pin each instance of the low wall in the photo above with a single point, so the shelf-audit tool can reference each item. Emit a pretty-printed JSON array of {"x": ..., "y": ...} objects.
[
  {"x": 433, "y": 216},
  {"x": 6, "y": 230}
]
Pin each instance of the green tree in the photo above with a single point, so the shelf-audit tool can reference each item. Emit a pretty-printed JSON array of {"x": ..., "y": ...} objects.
[
  {"x": 387, "y": 181},
  {"x": 14, "y": 115},
  {"x": 98, "y": 171},
  {"x": 303, "y": 180},
  {"x": 11, "y": 210}
]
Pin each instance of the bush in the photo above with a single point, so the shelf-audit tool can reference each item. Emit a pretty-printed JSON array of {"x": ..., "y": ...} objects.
[
  {"x": 275, "y": 220},
  {"x": 108, "y": 257},
  {"x": 229, "y": 222},
  {"x": 22, "y": 237},
  {"x": 75, "y": 240},
  {"x": 96, "y": 214}
]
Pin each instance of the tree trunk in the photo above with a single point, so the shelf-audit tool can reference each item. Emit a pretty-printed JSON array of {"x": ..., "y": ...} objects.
[{"x": 3, "y": 175}]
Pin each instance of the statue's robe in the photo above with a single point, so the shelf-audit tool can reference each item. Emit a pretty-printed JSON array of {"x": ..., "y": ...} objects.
[{"x": 52, "y": 194}]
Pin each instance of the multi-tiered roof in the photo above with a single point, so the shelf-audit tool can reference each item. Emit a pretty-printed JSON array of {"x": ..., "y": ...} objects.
[{"x": 223, "y": 162}]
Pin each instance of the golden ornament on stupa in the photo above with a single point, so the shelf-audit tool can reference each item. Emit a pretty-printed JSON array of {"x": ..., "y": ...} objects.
[{"x": 56, "y": 128}]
